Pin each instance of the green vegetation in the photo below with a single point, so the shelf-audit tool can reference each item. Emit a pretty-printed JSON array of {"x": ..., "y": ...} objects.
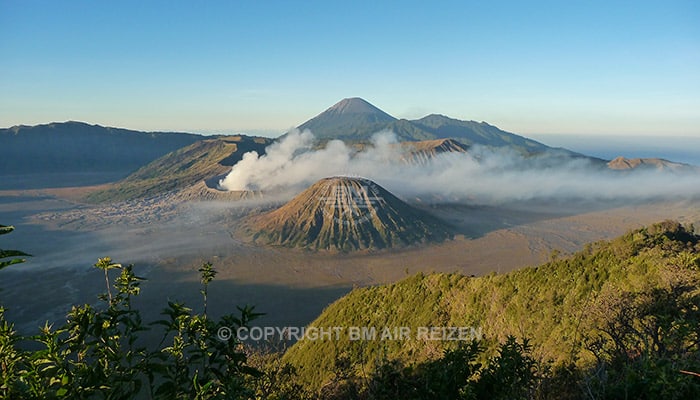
[
  {"x": 455, "y": 374},
  {"x": 5, "y": 254},
  {"x": 618, "y": 316},
  {"x": 618, "y": 320},
  {"x": 102, "y": 352}
]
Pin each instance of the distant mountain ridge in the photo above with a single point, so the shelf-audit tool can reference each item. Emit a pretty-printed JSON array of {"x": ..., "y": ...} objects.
[
  {"x": 62, "y": 154},
  {"x": 78, "y": 147},
  {"x": 659, "y": 164},
  {"x": 355, "y": 119}
]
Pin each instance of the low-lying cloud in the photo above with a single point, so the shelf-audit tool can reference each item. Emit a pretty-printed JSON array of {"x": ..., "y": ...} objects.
[{"x": 481, "y": 176}]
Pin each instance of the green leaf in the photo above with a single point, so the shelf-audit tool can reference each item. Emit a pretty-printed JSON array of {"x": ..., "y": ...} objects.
[
  {"x": 10, "y": 253},
  {"x": 4, "y": 229},
  {"x": 4, "y": 264},
  {"x": 106, "y": 263},
  {"x": 13, "y": 253}
]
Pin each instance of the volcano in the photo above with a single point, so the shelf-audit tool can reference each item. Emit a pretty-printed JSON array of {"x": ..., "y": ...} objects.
[
  {"x": 349, "y": 119},
  {"x": 346, "y": 214},
  {"x": 356, "y": 120}
]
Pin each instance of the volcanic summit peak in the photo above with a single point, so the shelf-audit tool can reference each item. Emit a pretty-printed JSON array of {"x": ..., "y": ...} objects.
[{"x": 356, "y": 105}]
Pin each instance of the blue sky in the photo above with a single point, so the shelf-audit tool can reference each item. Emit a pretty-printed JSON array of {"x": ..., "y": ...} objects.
[{"x": 577, "y": 67}]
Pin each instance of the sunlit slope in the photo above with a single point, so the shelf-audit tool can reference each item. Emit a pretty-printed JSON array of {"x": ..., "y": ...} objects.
[
  {"x": 344, "y": 213},
  {"x": 203, "y": 160},
  {"x": 552, "y": 304},
  {"x": 658, "y": 164}
]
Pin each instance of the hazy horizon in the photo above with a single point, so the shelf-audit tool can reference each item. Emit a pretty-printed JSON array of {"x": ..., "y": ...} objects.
[
  {"x": 682, "y": 149},
  {"x": 677, "y": 148}
]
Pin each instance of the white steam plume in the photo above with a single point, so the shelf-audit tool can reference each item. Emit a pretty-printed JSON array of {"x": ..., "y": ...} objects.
[{"x": 483, "y": 175}]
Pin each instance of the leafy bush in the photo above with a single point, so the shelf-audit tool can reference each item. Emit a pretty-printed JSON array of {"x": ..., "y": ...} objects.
[
  {"x": 643, "y": 340},
  {"x": 100, "y": 351},
  {"x": 10, "y": 253},
  {"x": 655, "y": 269}
]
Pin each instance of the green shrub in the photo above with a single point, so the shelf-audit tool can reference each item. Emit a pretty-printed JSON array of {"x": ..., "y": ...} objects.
[{"x": 100, "y": 352}]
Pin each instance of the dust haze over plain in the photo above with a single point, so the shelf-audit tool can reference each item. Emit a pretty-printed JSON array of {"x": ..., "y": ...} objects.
[
  {"x": 203, "y": 230},
  {"x": 483, "y": 175}
]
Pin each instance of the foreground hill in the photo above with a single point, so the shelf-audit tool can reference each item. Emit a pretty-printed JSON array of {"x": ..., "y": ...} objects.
[
  {"x": 343, "y": 213},
  {"x": 563, "y": 307},
  {"x": 354, "y": 119},
  {"x": 77, "y": 147},
  {"x": 205, "y": 160}
]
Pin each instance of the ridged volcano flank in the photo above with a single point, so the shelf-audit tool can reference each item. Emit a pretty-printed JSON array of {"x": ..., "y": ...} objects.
[
  {"x": 422, "y": 152},
  {"x": 342, "y": 213},
  {"x": 622, "y": 163}
]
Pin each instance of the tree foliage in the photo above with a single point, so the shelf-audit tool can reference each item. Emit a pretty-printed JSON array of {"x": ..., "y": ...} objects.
[
  {"x": 586, "y": 317},
  {"x": 618, "y": 320},
  {"x": 101, "y": 352},
  {"x": 4, "y": 254}
]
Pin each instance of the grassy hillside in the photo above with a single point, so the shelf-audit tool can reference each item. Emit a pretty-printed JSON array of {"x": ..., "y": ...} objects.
[
  {"x": 560, "y": 306},
  {"x": 203, "y": 160}
]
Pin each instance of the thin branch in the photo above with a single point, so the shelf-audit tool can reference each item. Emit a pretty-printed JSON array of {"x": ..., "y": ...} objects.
[{"x": 690, "y": 373}]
